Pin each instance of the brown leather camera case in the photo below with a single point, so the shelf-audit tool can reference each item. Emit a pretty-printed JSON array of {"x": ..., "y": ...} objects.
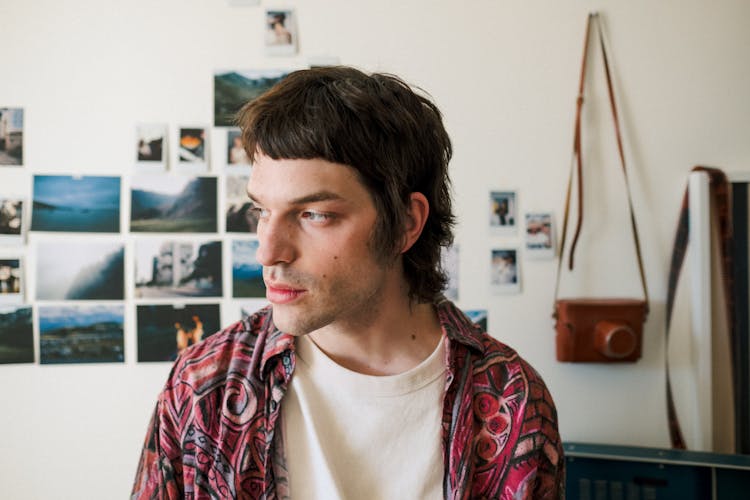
[{"x": 599, "y": 330}]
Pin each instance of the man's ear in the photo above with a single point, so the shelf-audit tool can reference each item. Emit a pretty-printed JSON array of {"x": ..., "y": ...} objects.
[{"x": 416, "y": 217}]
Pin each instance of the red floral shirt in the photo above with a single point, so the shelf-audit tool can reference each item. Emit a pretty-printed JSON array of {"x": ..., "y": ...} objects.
[{"x": 216, "y": 431}]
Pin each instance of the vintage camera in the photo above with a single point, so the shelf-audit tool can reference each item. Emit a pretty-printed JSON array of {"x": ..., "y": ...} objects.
[{"x": 599, "y": 330}]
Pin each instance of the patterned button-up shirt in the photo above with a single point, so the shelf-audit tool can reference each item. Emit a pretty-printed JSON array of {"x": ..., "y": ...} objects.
[{"x": 216, "y": 430}]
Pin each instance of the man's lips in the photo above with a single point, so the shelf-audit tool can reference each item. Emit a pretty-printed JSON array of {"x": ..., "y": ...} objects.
[{"x": 278, "y": 293}]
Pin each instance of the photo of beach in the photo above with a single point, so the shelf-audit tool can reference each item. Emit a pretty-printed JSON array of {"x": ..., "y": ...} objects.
[
  {"x": 165, "y": 330},
  {"x": 80, "y": 270},
  {"x": 81, "y": 334},
  {"x": 167, "y": 268},
  {"x": 173, "y": 204},
  {"x": 247, "y": 273},
  {"x": 16, "y": 335},
  {"x": 232, "y": 89},
  {"x": 76, "y": 204}
]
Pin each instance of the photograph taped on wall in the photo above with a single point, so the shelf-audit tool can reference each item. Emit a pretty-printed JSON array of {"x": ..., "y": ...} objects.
[
  {"x": 540, "y": 236},
  {"x": 234, "y": 88},
  {"x": 247, "y": 273},
  {"x": 503, "y": 212},
  {"x": 16, "y": 335},
  {"x": 240, "y": 214},
  {"x": 173, "y": 204},
  {"x": 449, "y": 264},
  {"x": 11, "y": 220},
  {"x": 86, "y": 204},
  {"x": 281, "y": 32},
  {"x": 80, "y": 269},
  {"x": 505, "y": 276},
  {"x": 192, "y": 150},
  {"x": 478, "y": 317},
  {"x": 11, "y": 136},
  {"x": 151, "y": 141},
  {"x": 243, "y": 3},
  {"x": 177, "y": 268},
  {"x": 11, "y": 280},
  {"x": 236, "y": 154},
  {"x": 81, "y": 334},
  {"x": 165, "y": 330}
]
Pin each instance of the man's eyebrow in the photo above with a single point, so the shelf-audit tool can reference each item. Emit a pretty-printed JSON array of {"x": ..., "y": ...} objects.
[{"x": 309, "y": 198}]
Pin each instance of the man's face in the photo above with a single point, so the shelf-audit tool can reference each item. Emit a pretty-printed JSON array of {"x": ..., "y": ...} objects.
[{"x": 315, "y": 222}]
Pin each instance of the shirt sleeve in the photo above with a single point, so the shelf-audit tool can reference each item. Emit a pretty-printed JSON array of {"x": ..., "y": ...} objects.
[{"x": 158, "y": 476}]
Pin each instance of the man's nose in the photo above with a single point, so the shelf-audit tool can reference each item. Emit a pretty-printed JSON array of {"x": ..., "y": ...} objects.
[{"x": 275, "y": 242}]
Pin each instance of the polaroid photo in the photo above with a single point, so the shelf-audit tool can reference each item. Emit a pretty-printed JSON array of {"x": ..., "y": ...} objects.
[
  {"x": 247, "y": 272},
  {"x": 151, "y": 146},
  {"x": 173, "y": 204},
  {"x": 192, "y": 150},
  {"x": 81, "y": 334},
  {"x": 449, "y": 264},
  {"x": 11, "y": 281},
  {"x": 540, "y": 236},
  {"x": 12, "y": 225},
  {"x": 240, "y": 215},
  {"x": 168, "y": 268},
  {"x": 236, "y": 156},
  {"x": 11, "y": 136},
  {"x": 80, "y": 270},
  {"x": 503, "y": 212},
  {"x": 505, "y": 275},
  {"x": 165, "y": 330},
  {"x": 16, "y": 335},
  {"x": 281, "y": 32},
  {"x": 85, "y": 204},
  {"x": 247, "y": 307},
  {"x": 478, "y": 317},
  {"x": 234, "y": 88}
]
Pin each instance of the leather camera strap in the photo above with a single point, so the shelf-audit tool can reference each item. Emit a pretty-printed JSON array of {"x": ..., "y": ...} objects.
[
  {"x": 577, "y": 161},
  {"x": 719, "y": 187}
]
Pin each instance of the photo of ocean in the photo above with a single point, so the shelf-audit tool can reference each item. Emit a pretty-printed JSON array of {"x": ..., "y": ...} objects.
[{"x": 78, "y": 204}]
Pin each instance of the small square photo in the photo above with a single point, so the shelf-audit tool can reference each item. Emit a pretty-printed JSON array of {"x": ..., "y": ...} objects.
[
  {"x": 16, "y": 335},
  {"x": 11, "y": 289},
  {"x": 503, "y": 213},
  {"x": 504, "y": 273},
  {"x": 540, "y": 240},
  {"x": 11, "y": 136},
  {"x": 151, "y": 142},
  {"x": 281, "y": 32},
  {"x": 11, "y": 219}
]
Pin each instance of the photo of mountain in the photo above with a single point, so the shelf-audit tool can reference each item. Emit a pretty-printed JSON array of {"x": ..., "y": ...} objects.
[
  {"x": 167, "y": 268},
  {"x": 173, "y": 204},
  {"x": 165, "y": 330},
  {"x": 16, "y": 335},
  {"x": 77, "y": 204},
  {"x": 232, "y": 89},
  {"x": 80, "y": 270},
  {"x": 247, "y": 273},
  {"x": 81, "y": 334}
]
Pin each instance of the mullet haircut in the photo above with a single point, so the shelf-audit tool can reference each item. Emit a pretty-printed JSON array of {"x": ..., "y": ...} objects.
[{"x": 391, "y": 136}]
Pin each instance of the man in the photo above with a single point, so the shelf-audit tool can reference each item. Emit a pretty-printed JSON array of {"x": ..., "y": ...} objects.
[{"x": 360, "y": 380}]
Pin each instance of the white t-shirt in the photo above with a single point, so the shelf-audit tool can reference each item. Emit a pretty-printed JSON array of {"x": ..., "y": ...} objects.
[{"x": 354, "y": 436}]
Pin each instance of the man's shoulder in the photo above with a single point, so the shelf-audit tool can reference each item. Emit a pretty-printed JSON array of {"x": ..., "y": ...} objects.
[{"x": 229, "y": 350}]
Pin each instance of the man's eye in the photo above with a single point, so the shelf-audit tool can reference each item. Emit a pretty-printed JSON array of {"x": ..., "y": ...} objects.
[{"x": 315, "y": 216}]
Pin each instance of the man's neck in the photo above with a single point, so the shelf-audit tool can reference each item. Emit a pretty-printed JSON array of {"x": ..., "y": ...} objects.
[{"x": 399, "y": 338}]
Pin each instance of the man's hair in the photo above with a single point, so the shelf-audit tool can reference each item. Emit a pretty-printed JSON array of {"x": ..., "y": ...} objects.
[{"x": 391, "y": 136}]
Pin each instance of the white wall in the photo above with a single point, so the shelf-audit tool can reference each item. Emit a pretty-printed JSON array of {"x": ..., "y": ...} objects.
[{"x": 505, "y": 75}]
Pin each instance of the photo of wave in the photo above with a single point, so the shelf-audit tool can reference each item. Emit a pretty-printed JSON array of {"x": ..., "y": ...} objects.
[
  {"x": 81, "y": 334},
  {"x": 247, "y": 273},
  {"x": 80, "y": 270},
  {"x": 173, "y": 204},
  {"x": 232, "y": 89},
  {"x": 78, "y": 204},
  {"x": 165, "y": 330},
  {"x": 16, "y": 335}
]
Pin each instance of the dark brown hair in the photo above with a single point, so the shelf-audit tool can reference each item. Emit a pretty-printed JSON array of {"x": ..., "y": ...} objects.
[{"x": 393, "y": 137}]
